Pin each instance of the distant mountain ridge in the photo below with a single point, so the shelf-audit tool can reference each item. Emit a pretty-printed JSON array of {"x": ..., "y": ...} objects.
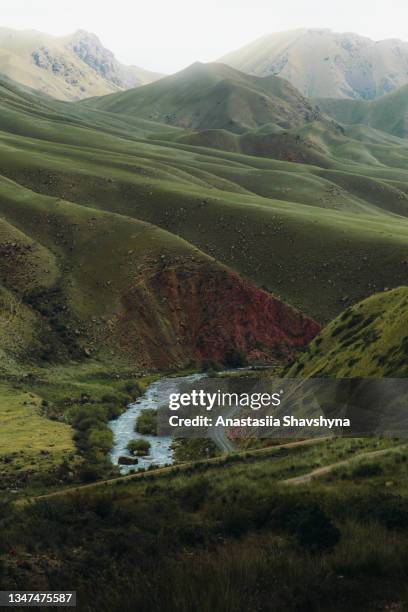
[
  {"x": 67, "y": 68},
  {"x": 325, "y": 64}
]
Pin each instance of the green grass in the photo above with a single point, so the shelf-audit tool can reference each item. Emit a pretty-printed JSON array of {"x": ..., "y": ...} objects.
[
  {"x": 212, "y": 96},
  {"x": 29, "y": 443},
  {"x": 389, "y": 113},
  {"x": 42, "y": 416},
  {"x": 368, "y": 339},
  {"x": 296, "y": 228},
  {"x": 228, "y": 536}
]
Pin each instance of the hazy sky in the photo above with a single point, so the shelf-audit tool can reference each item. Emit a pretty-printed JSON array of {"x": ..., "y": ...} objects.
[{"x": 167, "y": 35}]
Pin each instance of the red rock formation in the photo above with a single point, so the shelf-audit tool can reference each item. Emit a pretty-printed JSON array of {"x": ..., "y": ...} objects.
[{"x": 181, "y": 314}]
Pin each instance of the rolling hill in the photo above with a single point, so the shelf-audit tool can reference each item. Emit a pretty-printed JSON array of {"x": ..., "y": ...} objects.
[
  {"x": 389, "y": 113},
  {"x": 317, "y": 235},
  {"x": 64, "y": 300},
  {"x": 67, "y": 68},
  {"x": 321, "y": 63}
]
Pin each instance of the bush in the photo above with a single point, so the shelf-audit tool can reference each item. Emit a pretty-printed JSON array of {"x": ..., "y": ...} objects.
[
  {"x": 392, "y": 512},
  {"x": 193, "y": 494},
  {"x": 146, "y": 423},
  {"x": 315, "y": 531},
  {"x": 312, "y": 528},
  {"x": 139, "y": 447},
  {"x": 90, "y": 473},
  {"x": 367, "y": 470},
  {"x": 210, "y": 366}
]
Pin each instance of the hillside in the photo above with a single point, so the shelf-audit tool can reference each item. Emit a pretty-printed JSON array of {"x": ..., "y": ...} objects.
[
  {"x": 245, "y": 211},
  {"x": 368, "y": 339},
  {"x": 322, "y": 64},
  {"x": 64, "y": 300},
  {"x": 389, "y": 113},
  {"x": 67, "y": 68},
  {"x": 214, "y": 96}
]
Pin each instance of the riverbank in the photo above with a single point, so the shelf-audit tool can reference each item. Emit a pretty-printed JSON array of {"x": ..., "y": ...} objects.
[{"x": 123, "y": 427}]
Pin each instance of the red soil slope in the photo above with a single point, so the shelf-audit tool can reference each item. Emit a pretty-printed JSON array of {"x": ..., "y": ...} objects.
[{"x": 176, "y": 315}]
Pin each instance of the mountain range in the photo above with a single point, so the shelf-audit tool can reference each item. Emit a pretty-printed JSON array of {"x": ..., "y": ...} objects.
[
  {"x": 319, "y": 63},
  {"x": 325, "y": 64},
  {"x": 68, "y": 67}
]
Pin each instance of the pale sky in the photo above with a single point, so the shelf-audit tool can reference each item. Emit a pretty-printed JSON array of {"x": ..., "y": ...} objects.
[{"x": 167, "y": 35}]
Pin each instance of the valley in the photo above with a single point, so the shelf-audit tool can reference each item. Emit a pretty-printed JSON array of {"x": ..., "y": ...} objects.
[
  {"x": 214, "y": 223},
  {"x": 198, "y": 235}
]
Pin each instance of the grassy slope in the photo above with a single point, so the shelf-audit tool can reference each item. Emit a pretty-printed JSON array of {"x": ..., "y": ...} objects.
[
  {"x": 389, "y": 113},
  {"x": 237, "y": 510},
  {"x": 29, "y": 443},
  {"x": 248, "y": 212},
  {"x": 213, "y": 96},
  {"x": 368, "y": 339}
]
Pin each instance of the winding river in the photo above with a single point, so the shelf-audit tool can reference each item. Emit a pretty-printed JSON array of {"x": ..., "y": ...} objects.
[{"x": 123, "y": 428}]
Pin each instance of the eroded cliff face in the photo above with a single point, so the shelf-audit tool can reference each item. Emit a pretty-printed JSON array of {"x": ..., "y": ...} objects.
[{"x": 177, "y": 315}]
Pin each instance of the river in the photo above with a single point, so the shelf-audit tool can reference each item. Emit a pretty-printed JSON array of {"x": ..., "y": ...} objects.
[{"x": 123, "y": 428}]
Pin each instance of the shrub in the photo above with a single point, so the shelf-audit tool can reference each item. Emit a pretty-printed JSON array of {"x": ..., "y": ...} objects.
[
  {"x": 194, "y": 493},
  {"x": 315, "y": 531},
  {"x": 146, "y": 423},
  {"x": 139, "y": 447},
  {"x": 312, "y": 528},
  {"x": 367, "y": 470}
]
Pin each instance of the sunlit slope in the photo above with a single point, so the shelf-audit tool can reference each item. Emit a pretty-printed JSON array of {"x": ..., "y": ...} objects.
[
  {"x": 389, "y": 113},
  {"x": 68, "y": 67},
  {"x": 320, "y": 62},
  {"x": 368, "y": 339}
]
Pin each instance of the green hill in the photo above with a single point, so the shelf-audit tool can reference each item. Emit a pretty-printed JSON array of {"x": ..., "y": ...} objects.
[
  {"x": 214, "y": 96},
  {"x": 80, "y": 282},
  {"x": 389, "y": 113},
  {"x": 368, "y": 339},
  {"x": 317, "y": 235}
]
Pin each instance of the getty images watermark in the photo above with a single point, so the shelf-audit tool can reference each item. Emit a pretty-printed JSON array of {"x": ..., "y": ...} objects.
[
  {"x": 208, "y": 401},
  {"x": 263, "y": 407}
]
